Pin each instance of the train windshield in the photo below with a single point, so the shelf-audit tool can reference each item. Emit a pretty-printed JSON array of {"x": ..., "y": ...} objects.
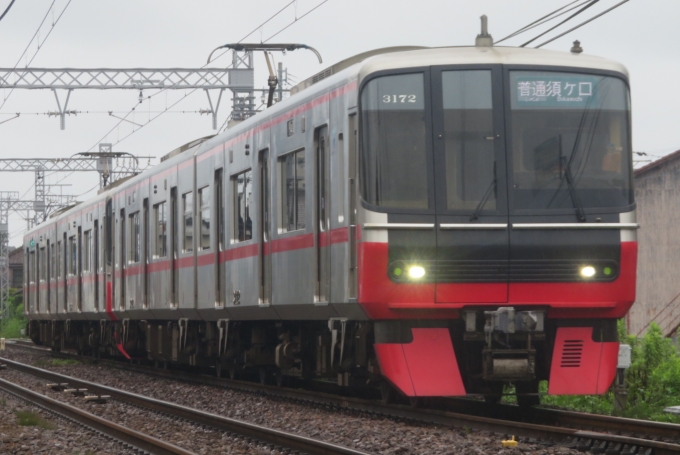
[
  {"x": 394, "y": 131},
  {"x": 570, "y": 141}
]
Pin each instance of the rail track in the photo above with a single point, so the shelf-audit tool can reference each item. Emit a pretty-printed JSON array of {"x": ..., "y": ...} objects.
[
  {"x": 582, "y": 431},
  {"x": 268, "y": 436}
]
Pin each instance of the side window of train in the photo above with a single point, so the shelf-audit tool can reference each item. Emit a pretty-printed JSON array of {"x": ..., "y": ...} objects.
[
  {"x": 53, "y": 262},
  {"x": 160, "y": 217},
  {"x": 243, "y": 195},
  {"x": 58, "y": 261},
  {"x": 204, "y": 207},
  {"x": 87, "y": 250},
  {"x": 31, "y": 266},
  {"x": 292, "y": 178},
  {"x": 43, "y": 264},
  {"x": 135, "y": 238},
  {"x": 188, "y": 210},
  {"x": 73, "y": 256}
]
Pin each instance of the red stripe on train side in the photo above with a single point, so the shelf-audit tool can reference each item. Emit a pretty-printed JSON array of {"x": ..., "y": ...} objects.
[
  {"x": 239, "y": 252},
  {"x": 205, "y": 259},
  {"x": 296, "y": 242}
]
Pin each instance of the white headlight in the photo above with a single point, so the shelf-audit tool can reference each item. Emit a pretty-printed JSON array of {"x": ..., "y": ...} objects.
[
  {"x": 588, "y": 271},
  {"x": 416, "y": 271}
]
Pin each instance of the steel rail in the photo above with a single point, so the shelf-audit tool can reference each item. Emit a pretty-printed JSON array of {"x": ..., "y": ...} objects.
[
  {"x": 468, "y": 413},
  {"x": 127, "y": 435},
  {"x": 249, "y": 430}
]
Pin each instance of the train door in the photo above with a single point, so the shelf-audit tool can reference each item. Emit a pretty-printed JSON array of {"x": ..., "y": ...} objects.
[
  {"x": 79, "y": 270},
  {"x": 352, "y": 180},
  {"x": 64, "y": 265},
  {"x": 109, "y": 257},
  {"x": 174, "y": 243},
  {"x": 121, "y": 258},
  {"x": 322, "y": 215},
  {"x": 220, "y": 278},
  {"x": 265, "y": 232},
  {"x": 145, "y": 253},
  {"x": 470, "y": 193},
  {"x": 95, "y": 265}
]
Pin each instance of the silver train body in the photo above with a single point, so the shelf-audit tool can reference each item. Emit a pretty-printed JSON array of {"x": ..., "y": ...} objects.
[{"x": 250, "y": 248}]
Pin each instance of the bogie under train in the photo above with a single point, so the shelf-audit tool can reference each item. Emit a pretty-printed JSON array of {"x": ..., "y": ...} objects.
[{"x": 442, "y": 221}]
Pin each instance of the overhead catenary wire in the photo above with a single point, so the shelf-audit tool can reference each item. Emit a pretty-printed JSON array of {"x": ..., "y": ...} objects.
[
  {"x": 7, "y": 10},
  {"x": 28, "y": 46},
  {"x": 296, "y": 20},
  {"x": 583, "y": 23},
  {"x": 592, "y": 3},
  {"x": 124, "y": 118},
  {"x": 542, "y": 20}
]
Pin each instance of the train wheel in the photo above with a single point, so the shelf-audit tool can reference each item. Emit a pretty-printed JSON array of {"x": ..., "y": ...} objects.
[
  {"x": 387, "y": 392},
  {"x": 264, "y": 377},
  {"x": 527, "y": 394},
  {"x": 493, "y": 393},
  {"x": 280, "y": 378}
]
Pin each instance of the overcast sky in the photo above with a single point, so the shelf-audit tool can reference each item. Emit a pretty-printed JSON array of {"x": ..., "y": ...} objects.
[{"x": 643, "y": 35}]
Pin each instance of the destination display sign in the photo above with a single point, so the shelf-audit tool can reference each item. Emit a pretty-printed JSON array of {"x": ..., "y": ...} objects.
[{"x": 554, "y": 90}]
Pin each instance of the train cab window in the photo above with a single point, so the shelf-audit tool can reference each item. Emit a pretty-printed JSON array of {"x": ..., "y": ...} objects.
[
  {"x": 160, "y": 216},
  {"x": 468, "y": 151},
  {"x": 87, "y": 250},
  {"x": 188, "y": 210},
  {"x": 72, "y": 256},
  {"x": 570, "y": 141},
  {"x": 292, "y": 171},
  {"x": 243, "y": 194},
  {"x": 394, "y": 170},
  {"x": 135, "y": 238},
  {"x": 204, "y": 207}
]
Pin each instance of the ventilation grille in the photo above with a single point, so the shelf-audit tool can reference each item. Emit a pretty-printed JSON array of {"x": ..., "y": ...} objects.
[
  {"x": 571, "y": 354},
  {"x": 322, "y": 75}
]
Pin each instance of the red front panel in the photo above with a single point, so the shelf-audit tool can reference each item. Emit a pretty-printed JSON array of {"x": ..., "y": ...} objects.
[
  {"x": 381, "y": 298},
  {"x": 581, "y": 366},
  {"x": 426, "y": 367}
]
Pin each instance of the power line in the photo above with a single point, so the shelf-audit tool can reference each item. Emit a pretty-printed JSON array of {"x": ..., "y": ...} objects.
[
  {"x": 7, "y": 10},
  {"x": 593, "y": 2},
  {"x": 40, "y": 45},
  {"x": 583, "y": 23},
  {"x": 161, "y": 91},
  {"x": 542, "y": 20},
  {"x": 296, "y": 19}
]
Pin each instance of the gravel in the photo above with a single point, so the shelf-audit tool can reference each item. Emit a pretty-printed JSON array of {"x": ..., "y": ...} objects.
[
  {"x": 60, "y": 437},
  {"x": 370, "y": 433}
]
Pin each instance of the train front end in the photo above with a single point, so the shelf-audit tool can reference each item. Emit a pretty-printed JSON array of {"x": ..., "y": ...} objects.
[{"x": 497, "y": 220}]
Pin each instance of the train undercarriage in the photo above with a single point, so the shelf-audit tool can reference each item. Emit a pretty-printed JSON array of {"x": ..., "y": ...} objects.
[{"x": 490, "y": 349}]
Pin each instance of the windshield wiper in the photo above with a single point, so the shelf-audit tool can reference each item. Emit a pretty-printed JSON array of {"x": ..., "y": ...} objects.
[
  {"x": 572, "y": 191},
  {"x": 487, "y": 193}
]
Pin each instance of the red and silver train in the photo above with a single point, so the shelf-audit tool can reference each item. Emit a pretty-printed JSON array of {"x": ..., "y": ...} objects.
[{"x": 441, "y": 221}]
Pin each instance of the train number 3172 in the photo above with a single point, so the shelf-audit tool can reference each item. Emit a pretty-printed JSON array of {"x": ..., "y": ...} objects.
[{"x": 393, "y": 99}]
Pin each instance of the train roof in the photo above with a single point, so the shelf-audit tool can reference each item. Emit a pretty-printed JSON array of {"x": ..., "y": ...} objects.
[
  {"x": 358, "y": 67},
  {"x": 481, "y": 55}
]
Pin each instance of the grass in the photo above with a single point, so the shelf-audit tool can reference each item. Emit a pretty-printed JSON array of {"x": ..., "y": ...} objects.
[
  {"x": 653, "y": 382},
  {"x": 32, "y": 419}
]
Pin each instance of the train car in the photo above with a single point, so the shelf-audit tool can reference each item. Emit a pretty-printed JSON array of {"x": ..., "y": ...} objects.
[{"x": 437, "y": 221}]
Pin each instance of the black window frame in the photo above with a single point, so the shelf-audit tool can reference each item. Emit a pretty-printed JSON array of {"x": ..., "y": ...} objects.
[
  {"x": 427, "y": 82},
  {"x": 507, "y": 112}
]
